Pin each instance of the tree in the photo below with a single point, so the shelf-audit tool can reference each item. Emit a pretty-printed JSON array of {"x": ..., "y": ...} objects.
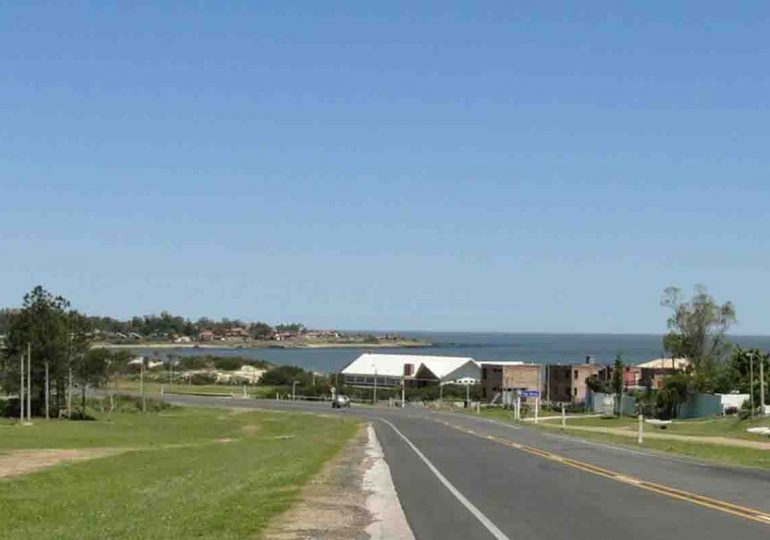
[
  {"x": 617, "y": 381},
  {"x": 285, "y": 375},
  {"x": 42, "y": 324},
  {"x": 260, "y": 330},
  {"x": 672, "y": 394},
  {"x": 697, "y": 332},
  {"x": 91, "y": 369},
  {"x": 597, "y": 385},
  {"x": 738, "y": 372}
]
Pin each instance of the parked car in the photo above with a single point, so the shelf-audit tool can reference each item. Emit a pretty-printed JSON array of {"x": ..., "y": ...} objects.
[{"x": 340, "y": 401}]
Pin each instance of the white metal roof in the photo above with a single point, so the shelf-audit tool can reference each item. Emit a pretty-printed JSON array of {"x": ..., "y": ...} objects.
[
  {"x": 677, "y": 363},
  {"x": 392, "y": 365},
  {"x": 502, "y": 363}
]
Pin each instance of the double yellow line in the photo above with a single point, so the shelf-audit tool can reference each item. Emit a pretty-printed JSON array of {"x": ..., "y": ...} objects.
[{"x": 682, "y": 495}]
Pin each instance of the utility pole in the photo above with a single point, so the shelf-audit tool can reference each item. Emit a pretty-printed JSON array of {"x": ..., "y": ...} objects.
[
  {"x": 751, "y": 381},
  {"x": 640, "y": 432},
  {"x": 293, "y": 390},
  {"x": 467, "y": 395},
  {"x": 69, "y": 394},
  {"x": 29, "y": 382},
  {"x": 762, "y": 385},
  {"x": 563, "y": 416},
  {"x": 141, "y": 386},
  {"x": 440, "y": 394},
  {"x": 47, "y": 392},
  {"x": 403, "y": 393},
  {"x": 21, "y": 390}
]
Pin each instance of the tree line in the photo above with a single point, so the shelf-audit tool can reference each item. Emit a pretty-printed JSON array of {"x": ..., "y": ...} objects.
[{"x": 167, "y": 324}]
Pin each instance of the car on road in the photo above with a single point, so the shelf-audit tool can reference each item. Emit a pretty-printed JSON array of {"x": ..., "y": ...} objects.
[{"x": 340, "y": 401}]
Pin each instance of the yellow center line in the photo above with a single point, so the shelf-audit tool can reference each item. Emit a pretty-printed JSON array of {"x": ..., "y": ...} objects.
[{"x": 674, "y": 493}]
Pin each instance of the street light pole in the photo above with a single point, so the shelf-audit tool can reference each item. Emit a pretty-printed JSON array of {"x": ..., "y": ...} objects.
[
  {"x": 293, "y": 390},
  {"x": 403, "y": 392},
  {"x": 47, "y": 391},
  {"x": 751, "y": 381},
  {"x": 761, "y": 385},
  {"x": 468, "y": 395},
  {"x": 29, "y": 382},
  {"x": 374, "y": 398},
  {"x": 21, "y": 390}
]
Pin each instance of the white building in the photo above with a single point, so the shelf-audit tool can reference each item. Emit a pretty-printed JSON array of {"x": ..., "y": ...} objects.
[{"x": 391, "y": 369}]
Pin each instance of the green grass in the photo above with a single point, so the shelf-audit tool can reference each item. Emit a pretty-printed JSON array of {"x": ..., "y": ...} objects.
[
  {"x": 181, "y": 481},
  {"x": 731, "y": 455},
  {"x": 730, "y": 427},
  {"x": 154, "y": 388}
]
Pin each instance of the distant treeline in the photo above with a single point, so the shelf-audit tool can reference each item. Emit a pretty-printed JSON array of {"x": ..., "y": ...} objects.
[{"x": 166, "y": 324}]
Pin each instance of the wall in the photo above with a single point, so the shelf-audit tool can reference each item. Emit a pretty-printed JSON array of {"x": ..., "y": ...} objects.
[{"x": 700, "y": 405}]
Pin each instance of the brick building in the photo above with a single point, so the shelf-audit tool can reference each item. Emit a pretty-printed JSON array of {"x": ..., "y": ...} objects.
[
  {"x": 498, "y": 378},
  {"x": 567, "y": 383}
]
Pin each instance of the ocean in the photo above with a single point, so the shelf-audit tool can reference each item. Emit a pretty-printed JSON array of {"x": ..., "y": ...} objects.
[{"x": 537, "y": 348}]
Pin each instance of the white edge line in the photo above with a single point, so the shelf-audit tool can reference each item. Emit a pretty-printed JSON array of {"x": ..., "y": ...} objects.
[{"x": 491, "y": 527}]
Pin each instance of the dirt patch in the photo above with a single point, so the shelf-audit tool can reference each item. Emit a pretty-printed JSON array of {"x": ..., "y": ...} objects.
[
  {"x": 333, "y": 504},
  {"x": 19, "y": 462},
  {"x": 251, "y": 429}
]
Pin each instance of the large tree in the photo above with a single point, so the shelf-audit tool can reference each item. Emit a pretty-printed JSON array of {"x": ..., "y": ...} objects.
[
  {"x": 55, "y": 336},
  {"x": 697, "y": 331}
]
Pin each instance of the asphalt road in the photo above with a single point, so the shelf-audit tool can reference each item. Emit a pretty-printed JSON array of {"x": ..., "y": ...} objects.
[{"x": 463, "y": 477}]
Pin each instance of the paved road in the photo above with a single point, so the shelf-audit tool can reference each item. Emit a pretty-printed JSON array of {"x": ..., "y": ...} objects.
[{"x": 464, "y": 477}]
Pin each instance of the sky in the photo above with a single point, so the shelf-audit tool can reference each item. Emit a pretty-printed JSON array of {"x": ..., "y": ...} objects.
[{"x": 481, "y": 166}]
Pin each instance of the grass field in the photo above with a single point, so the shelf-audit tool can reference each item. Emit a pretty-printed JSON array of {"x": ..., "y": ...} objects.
[
  {"x": 154, "y": 388},
  {"x": 705, "y": 427},
  {"x": 205, "y": 473},
  {"x": 730, "y": 455}
]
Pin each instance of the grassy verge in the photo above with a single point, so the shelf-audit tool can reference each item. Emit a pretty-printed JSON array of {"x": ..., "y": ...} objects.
[
  {"x": 154, "y": 387},
  {"x": 205, "y": 473},
  {"x": 730, "y": 455},
  {"x": 729, "y": 427}
]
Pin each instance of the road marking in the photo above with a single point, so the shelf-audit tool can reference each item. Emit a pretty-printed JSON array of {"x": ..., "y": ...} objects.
[
  {"x": 700, "y": 500},
  {"x": 491, "y": 527}
]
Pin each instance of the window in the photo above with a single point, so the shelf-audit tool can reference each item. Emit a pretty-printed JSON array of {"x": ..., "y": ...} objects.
[
  {"x": 574, "y": 392},
  {"x": 576, "y": 374}
]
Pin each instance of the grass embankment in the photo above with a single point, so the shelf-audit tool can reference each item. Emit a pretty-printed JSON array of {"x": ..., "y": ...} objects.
[
  {"x": 721, "y": 430},
  {"x": 184, "y": 473},
  {"x": 197, "y": 389}
]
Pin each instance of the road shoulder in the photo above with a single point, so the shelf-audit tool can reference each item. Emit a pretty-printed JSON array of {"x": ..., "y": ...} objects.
[{"x": 351, "y": 498}]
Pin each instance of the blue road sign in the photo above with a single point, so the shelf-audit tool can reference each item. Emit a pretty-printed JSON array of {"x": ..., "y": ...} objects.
[{"x": 530, "y": 393}]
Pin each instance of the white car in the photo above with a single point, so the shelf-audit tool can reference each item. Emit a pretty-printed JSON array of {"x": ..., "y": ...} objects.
[{"x": 340, "y": 401}]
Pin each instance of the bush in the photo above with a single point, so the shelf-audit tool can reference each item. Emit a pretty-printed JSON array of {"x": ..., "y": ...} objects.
[
  {"x": 286, "y": 375},
  {"x": 127, "y": 404},
  {"x": 202, "y": 378}
]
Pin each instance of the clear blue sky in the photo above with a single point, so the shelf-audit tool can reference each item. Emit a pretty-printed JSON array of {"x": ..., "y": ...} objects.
[{"x": 508, "y": 166}]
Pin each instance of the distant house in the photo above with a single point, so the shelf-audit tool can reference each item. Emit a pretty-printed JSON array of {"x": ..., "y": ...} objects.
[
  {"x": 206, "y": 335},
  {"x": 183, "y": 339},
  {"x": 414, "y": 370},
  {"x": 237, "y": 332},
  {"x": 654, "y": 371}
]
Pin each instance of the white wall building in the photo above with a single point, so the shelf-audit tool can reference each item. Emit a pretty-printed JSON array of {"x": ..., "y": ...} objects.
[{"x": 390, "y": 369}]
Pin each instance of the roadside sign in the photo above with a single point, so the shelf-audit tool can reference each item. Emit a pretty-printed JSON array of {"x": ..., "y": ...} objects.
[{"x": 530, "y": 393}]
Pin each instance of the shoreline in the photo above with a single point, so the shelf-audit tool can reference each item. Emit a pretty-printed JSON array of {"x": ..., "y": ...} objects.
[{"x": 405, "y": 344}]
